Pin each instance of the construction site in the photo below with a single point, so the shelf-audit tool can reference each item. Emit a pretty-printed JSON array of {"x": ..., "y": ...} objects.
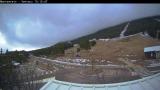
[{"x": 109, "y": 61}]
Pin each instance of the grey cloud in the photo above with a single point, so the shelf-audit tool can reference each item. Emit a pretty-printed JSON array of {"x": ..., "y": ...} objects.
[{"x": 46, "y": 24}]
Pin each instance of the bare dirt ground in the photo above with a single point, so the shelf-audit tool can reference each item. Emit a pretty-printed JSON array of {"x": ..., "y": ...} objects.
[
  {"x": 131, "y": 48},
  {"x": 110, "y": 51},
  {"x": 100, "y": 76}
]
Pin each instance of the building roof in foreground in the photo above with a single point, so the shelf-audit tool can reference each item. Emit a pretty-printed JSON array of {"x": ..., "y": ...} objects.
[
  {"x": 146, "y": 83},
  {"x": 152, "y": 48}
]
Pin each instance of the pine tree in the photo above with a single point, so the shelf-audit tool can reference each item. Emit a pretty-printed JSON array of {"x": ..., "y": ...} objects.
[
  {"x": 1, "y": 50},
  {"x": 7, "y": 51}
]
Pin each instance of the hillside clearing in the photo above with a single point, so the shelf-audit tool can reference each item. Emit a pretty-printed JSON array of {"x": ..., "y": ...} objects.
[{"x": 130, "y": 47}]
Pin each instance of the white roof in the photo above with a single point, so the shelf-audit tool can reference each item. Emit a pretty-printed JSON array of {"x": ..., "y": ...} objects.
[
  {"x": 15, "y": 64},
  {"x": 152, "y": 48},
  {"x": 147, "y": 83}
]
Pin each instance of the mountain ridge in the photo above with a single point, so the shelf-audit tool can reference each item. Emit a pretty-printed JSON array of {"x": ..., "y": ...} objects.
[{"x": 146, "y": 24}]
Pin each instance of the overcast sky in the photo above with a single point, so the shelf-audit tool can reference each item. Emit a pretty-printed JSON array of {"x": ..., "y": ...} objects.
[{"x": 32, "y": 26}]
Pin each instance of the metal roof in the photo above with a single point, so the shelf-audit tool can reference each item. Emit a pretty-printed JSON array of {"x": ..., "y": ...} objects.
[
  {"x": 146, "y": 83},
  {"x": 152, "y": 48}
]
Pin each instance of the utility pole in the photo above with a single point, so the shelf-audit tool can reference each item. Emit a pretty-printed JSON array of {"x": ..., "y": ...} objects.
[
  {"x": 7, "y": 51},
  {"x": 158, "y": 32},
  {"x": 92, "y": 54}
]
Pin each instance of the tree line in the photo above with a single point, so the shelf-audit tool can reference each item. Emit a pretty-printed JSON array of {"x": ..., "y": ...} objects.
[
  {"x": 52, "y": 50},
  {"x": 60, "y": 48},
  {"x": 149, "y": 25},
  {"x": 7, "y": 68}
]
